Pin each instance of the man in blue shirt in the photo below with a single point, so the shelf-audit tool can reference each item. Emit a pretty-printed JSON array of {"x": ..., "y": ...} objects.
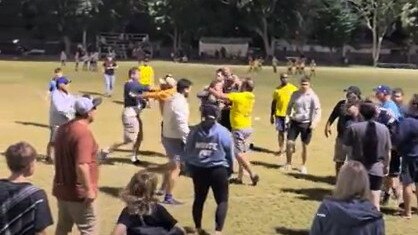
[
  {"x": 132, "y": 123},
  {"x": 208, "y": 156},
  {"x": 383, "y": 94}
]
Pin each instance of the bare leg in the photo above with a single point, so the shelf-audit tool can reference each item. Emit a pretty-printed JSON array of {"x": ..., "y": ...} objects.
[
  {"x": 289, "y": 151},
  {"x": 304, "y": 153},
  {"x": 407, "y": 199},
  {"x": 49, "y": 151},
  {"x": 244, "y": 164},
  {"x": 375, "y": 199},
  {"x": 281, "y": 142},
  {"x": 173, "y": 174}
]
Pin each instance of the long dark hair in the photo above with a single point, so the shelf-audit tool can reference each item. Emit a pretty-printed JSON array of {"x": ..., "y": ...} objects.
[{"x": 368, "y": 111}]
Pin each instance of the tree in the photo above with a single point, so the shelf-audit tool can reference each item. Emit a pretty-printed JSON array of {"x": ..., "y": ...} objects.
[
  {"x": 379, "y": 16},
  {"x": 334, "y": 24},
  {"x": 274, "y": 18},
  {"x": 409, "y": 19},
  {"x": 176, "y": 18}
]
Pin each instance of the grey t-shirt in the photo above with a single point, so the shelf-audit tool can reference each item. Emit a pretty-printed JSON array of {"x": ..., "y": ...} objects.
[{"x": 354, "y": 138}]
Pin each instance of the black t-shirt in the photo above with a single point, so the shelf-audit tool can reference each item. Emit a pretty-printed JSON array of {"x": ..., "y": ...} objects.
[
  {"x": 30, "y": 213},
  {"x": 109, "y": 67},
  {"x": 159, "y": 217},
  {"x": 343, "y": 118}
]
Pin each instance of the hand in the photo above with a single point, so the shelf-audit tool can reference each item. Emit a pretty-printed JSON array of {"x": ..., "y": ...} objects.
[
  {"x": 328, "y": 131},
  {"x": 91, "y": 195},
  {"x": 272, "y": 119}
]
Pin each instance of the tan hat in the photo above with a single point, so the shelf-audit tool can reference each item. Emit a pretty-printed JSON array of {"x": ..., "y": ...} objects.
[{"x": 168, "y": 80}]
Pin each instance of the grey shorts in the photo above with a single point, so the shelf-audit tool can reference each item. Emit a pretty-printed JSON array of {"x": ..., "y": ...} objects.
[
  {"x": 340, "y": 151},
  {"x": 130, "y": 128},
  {"x": 240, "y": 140},
  {"x": 53, "y": 133},
  {"x": 174, "y": 148}
]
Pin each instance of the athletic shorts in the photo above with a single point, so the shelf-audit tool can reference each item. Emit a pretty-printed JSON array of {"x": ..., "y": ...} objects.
[
  {"x": 376, "y": 182},
  {"x": 130, "y": 128},
  {"x": 240, "y": 140},
  {"x": 53, "y": 133},
  {"x": 409, "y": 174},
  {"x": 174, "y": 148},
  {"x": 395, "y": 164},
  {"x": 280, "y": 123},
  {"x": 297, "y": 128},
  {"x": 340, "y": 150}
]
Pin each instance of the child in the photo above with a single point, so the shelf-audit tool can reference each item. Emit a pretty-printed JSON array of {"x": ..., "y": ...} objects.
[
  {"x": 313, "y": 67},
  {"x": 143, "y": 214},
  {"x": 53, "y": 84}
]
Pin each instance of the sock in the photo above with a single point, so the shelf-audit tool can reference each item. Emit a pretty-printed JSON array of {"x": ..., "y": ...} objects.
[{"x": 168, "y": 196}]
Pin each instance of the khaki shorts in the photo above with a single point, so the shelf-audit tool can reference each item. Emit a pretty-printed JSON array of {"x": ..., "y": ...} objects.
[
  {"x": 83, "y": 215},
  {"x": 340, "y": 150},
  {"x": 240, "y": 140},
  {"x": 130, "y": 128}
]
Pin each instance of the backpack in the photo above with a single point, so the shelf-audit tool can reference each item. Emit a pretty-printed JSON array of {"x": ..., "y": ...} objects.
[{"x": 144, "y": 229}]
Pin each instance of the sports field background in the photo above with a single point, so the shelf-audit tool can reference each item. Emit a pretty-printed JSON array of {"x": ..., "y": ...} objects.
[{"x": 282, "y": 203}]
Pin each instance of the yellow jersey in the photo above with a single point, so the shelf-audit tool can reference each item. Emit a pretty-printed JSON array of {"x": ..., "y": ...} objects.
[
  {"x": 146, "y": 75},
  {"x": 241, "y": 110},
  {"x": 282, "y": 97}
]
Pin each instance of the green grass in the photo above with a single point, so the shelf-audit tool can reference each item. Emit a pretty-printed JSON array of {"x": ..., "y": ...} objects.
[{"x": 281, "y": 204}]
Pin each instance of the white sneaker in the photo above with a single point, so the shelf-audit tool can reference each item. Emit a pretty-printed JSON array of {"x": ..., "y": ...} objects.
[
  {"x": 104, "y": 154},
  {"x": 287, "y": 167},
  {"x": 134, "y": 159},
  {"x": 304, "y": 170}
]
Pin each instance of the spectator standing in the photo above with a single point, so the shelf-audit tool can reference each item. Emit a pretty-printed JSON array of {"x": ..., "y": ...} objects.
[
  {"x": 209, "y": 158},
  {"x": 407, "y": 144},
  {"x": 109, "y": 75},
  {"x": 24, "y": 207},
  {"x": 75, "y": 182},
  {"x": 63, "y": 58}
]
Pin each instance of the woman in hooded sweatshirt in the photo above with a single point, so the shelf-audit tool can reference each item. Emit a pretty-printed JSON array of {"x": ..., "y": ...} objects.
[
  {"x": 349, "y": 211},
  {"x": 209, "y": 159}
]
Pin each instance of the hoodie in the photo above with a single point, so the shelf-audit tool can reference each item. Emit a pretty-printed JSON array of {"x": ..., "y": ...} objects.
[
  {"x": 209, "y": 146},
  {"x": 407, "y": 137},
  {"x": 354, "y": 217}
]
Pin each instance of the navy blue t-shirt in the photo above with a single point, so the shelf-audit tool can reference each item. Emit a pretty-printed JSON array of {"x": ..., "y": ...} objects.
[
  {"x": 159, "y": 217},
  {"x": 136, "y": 87}
]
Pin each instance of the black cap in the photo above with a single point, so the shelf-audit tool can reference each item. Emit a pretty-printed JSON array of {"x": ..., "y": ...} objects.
[
  {"x": 353, "y": 89},
  {"x": 210, "y": 111}
]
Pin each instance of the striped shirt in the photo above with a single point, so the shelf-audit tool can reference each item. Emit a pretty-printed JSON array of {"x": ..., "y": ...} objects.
[{"x": 24, "y": 209}]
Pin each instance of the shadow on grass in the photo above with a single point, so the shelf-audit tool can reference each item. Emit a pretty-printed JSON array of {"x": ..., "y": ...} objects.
[
  {"x": 35, "y": 124},
  {"x": 147, "y": 153},
  {"x": 266, "y": 165},
  {"x": 117, "y": 102},
  {"x": 309, "y": 194},
  {"x": 111, "y": 191},
  {"x": 291, "y": 231},
  {"x": 91, "y": 93},
  {"x": 127, "y": 160},
  {"x": 322, "y": 179},
  {"x": 261, "y": 149}
]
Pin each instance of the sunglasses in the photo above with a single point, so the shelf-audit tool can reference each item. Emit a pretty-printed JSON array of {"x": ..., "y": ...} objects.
[{"x": 304, "y": 84}]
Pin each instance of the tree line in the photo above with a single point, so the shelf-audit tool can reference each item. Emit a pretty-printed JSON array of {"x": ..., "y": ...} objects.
[{"x": 331, "y": 23}]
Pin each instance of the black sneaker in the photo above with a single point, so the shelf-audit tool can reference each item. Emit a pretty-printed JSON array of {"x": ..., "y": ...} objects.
[
  {"x": 255, "y": 179},
  {"x": 235, "y": 181}
]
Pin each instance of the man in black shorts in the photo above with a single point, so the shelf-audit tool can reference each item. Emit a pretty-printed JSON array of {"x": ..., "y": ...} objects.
[{"x": 304, "y": 111}]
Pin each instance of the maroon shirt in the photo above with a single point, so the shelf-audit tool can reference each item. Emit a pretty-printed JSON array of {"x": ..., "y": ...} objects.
[{"x": 74, "y": 145}]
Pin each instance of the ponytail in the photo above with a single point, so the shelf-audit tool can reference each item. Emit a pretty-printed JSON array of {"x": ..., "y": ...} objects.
[{"x": 370, "y": 143}]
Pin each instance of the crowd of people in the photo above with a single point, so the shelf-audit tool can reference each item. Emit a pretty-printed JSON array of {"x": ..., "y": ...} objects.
[{"x": 376, "y": 148}]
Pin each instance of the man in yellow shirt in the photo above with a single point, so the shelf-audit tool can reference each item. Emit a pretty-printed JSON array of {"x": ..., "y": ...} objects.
[
  {"x": 241, "y": 123},
  {"x": 281, "y": 98},
  {"x": 147, "y": 74}
]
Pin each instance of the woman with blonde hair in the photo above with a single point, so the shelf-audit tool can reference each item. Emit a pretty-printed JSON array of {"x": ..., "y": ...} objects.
[
  {"x": 349, "y": 210},
  {"x": 142, "y": 214}
]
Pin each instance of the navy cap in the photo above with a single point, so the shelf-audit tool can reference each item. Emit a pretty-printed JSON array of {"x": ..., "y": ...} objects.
[
  {"x": 210, "y": 111},
  {"x": 383, "y": 89},
  {"x": 62, "y": 80},
  {"x": 353, "y": 89}
]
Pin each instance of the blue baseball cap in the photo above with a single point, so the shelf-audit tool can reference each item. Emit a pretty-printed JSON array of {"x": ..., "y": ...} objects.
[
  {"x": 62, "y": 80},
  {"x": 83, "y": 105},
  {"x": 383, "y": 89}
]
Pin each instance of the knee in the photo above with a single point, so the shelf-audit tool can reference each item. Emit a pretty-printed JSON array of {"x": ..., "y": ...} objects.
[{"x": 290, "y": 144}]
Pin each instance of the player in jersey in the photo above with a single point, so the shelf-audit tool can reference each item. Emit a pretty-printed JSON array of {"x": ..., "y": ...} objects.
[{"x": 281, "y": 98}]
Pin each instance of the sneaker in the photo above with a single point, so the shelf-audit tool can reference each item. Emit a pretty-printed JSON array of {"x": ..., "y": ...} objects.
[
  {"x": 287, "y": 167},
  {"x": 134, "y": 159},
  {"x": 304, "y": 170},
  {"x": 171, "y": 201},
  {"x": 104, "y": 154},
  {"x": 255, "y": 179},
  {"x": 235, "y": 181}
]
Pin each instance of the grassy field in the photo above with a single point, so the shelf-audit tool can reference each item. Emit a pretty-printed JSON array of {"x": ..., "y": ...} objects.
[{"x": 282, "y": 203}]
